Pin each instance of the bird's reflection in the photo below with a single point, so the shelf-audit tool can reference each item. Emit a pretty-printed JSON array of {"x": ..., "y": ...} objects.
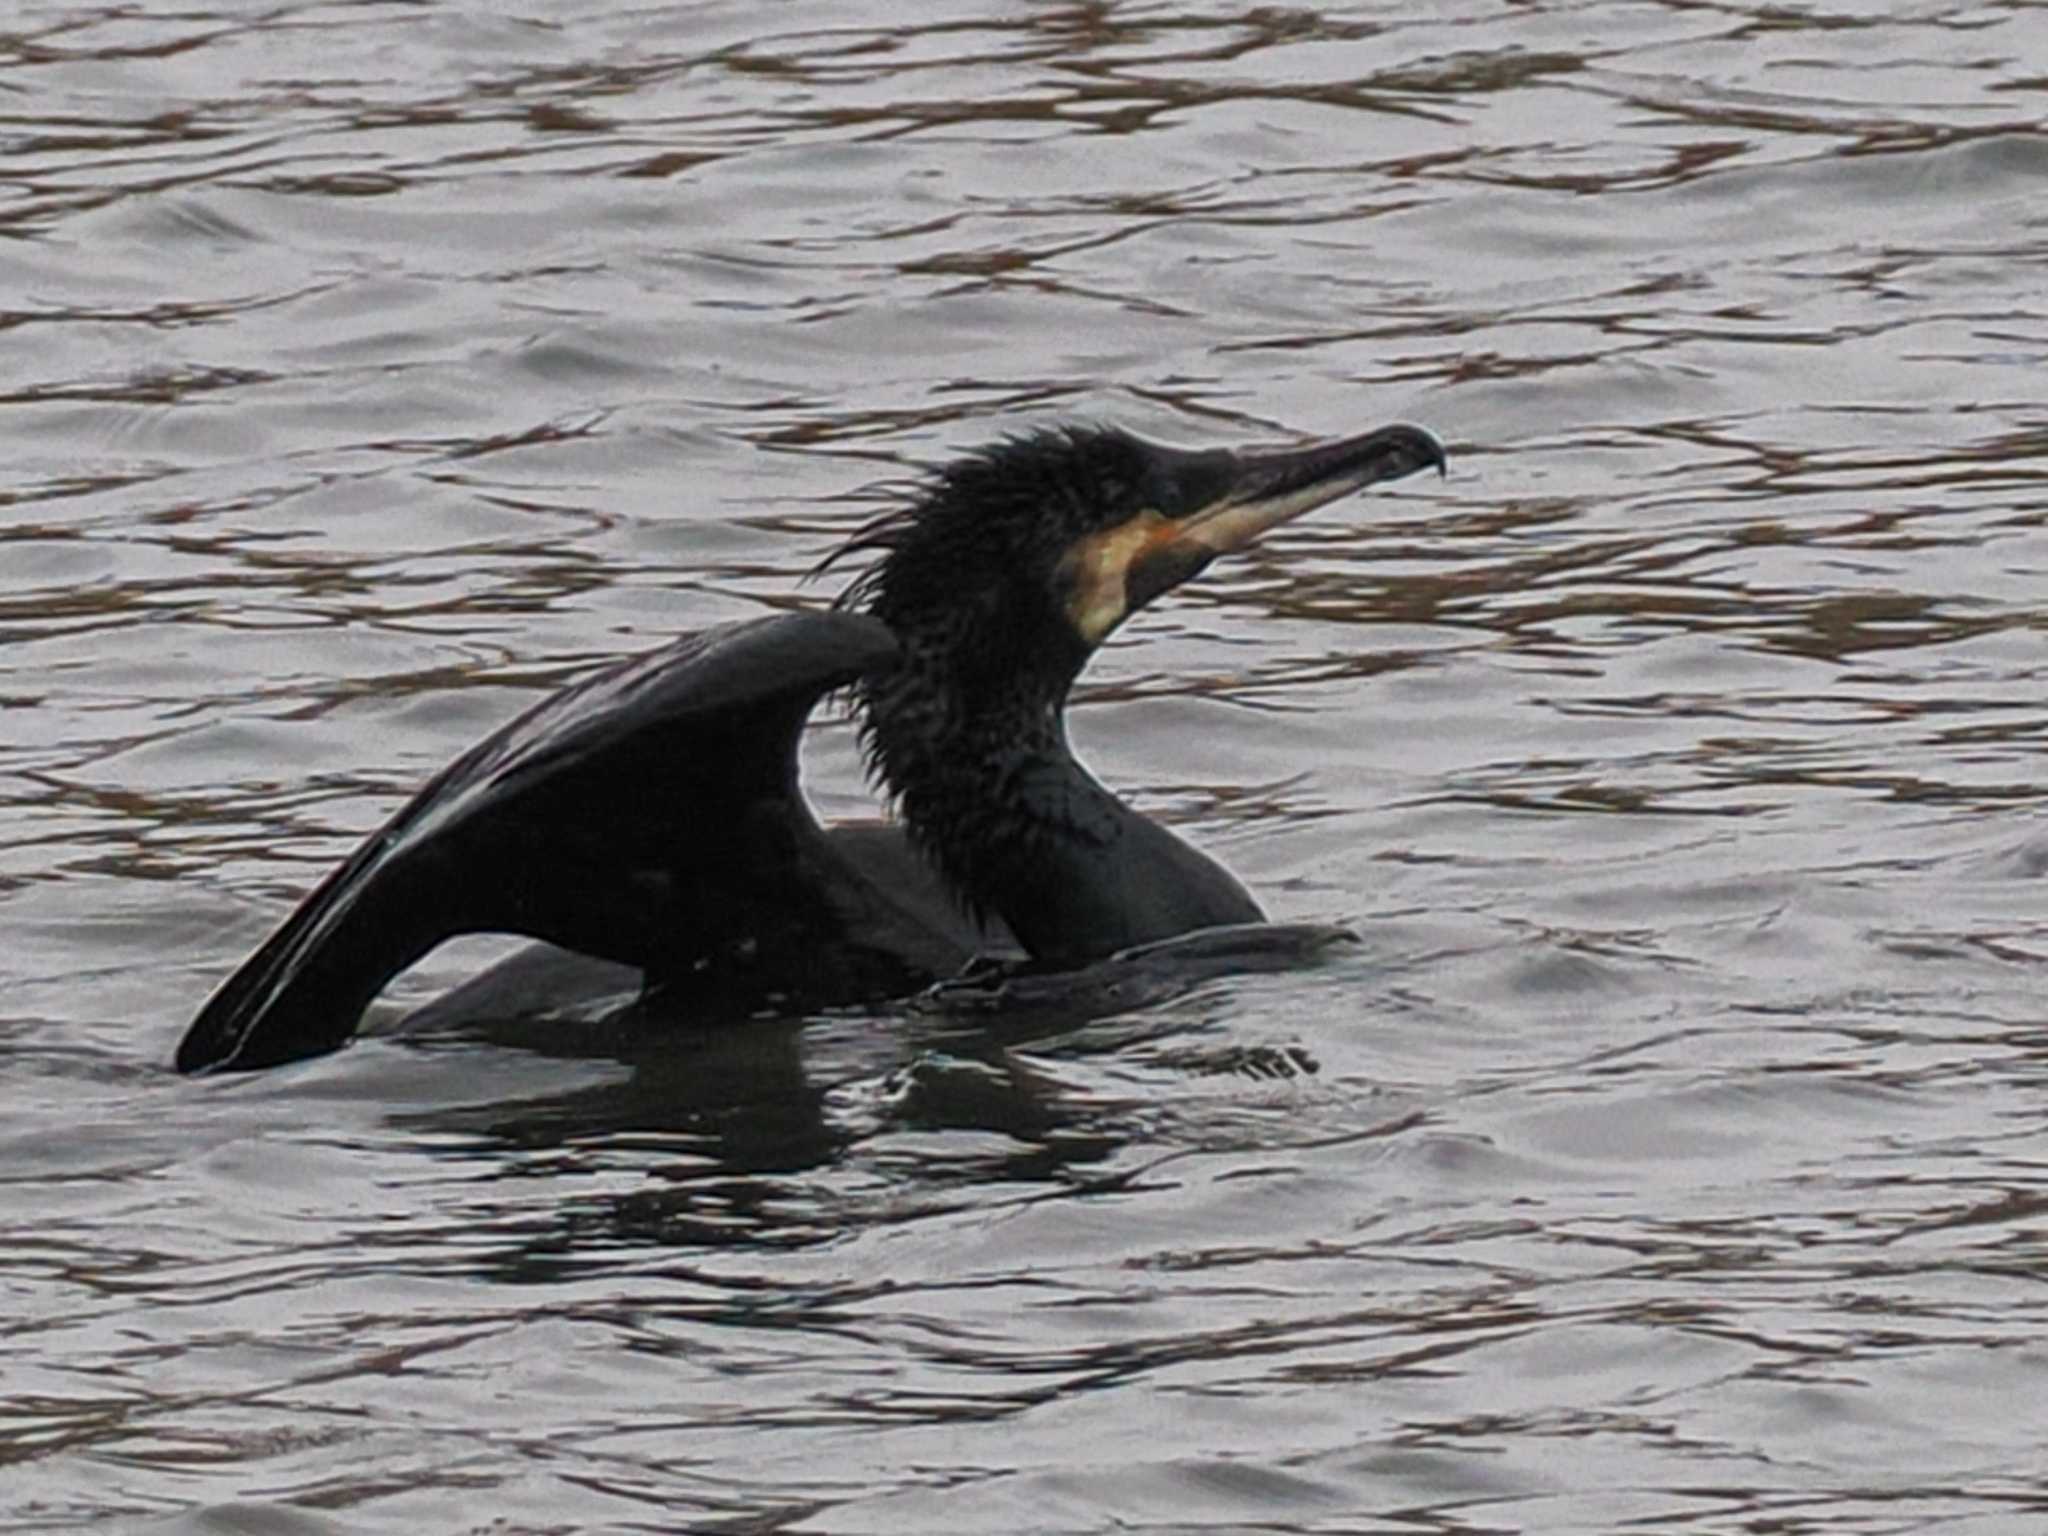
[{"x": 773, "y": 1129}]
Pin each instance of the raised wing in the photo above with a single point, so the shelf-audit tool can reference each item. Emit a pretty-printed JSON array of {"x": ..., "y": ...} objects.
[{"x": 648, "y": 814}]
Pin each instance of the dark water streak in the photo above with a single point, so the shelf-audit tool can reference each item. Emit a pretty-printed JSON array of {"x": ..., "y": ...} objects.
[{"x": 1667, "y": 1155}]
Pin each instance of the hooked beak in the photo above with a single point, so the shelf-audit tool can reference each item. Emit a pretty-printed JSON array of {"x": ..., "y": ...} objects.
[
  {"x": 1232, "y": 498},
  {"x": 1274, "y": 486}
]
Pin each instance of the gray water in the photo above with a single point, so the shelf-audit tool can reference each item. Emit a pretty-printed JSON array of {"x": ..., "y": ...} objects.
[{"x": 1671, "y": 1153}]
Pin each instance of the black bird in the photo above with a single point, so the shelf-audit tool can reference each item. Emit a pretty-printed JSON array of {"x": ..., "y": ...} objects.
[{"x": 650, "y": 815}]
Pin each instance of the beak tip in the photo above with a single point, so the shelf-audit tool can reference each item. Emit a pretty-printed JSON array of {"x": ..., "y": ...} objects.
[{"x": 1427, "y": 448}]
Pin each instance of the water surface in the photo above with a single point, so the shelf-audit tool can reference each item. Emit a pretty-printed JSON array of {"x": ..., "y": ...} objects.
[{"x": 1669, "y": 1154}]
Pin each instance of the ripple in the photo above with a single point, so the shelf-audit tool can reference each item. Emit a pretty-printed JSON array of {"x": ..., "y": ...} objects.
[{"x": 1676, "y": 761}]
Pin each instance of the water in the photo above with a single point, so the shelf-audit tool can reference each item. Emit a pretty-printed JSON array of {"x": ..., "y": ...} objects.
[{"x": 1669, "y": 1155}]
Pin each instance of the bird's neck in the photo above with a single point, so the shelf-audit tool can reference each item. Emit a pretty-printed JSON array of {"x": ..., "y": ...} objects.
[
  {"x": 994, "y": 796},
  {"x": 973, "y": 764}
]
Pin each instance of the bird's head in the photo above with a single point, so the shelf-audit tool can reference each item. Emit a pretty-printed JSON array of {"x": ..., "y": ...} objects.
[{"x": 1016, "y": 561}]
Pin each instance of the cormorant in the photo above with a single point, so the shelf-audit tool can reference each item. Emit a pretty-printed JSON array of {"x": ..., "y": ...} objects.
[{"x": 650, "y": 815}]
